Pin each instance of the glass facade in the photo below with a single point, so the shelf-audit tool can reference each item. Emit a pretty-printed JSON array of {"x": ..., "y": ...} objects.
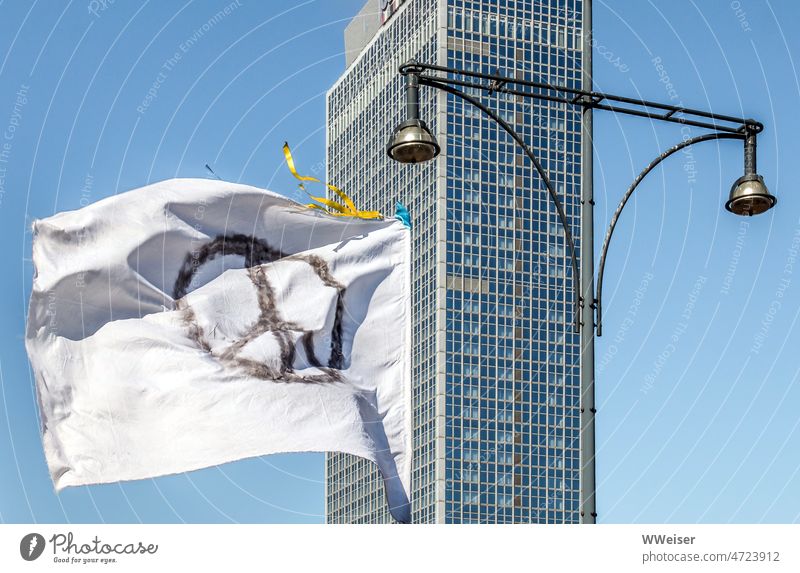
[{"x": 495, "y": 361}]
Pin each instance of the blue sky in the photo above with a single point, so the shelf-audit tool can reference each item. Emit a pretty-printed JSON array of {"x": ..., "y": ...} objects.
[{"x": 697, "y": 371}]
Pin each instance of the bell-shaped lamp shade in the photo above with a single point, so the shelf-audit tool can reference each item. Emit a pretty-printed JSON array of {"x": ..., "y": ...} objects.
[
  {"x": 750, "y": 196},
  {"x": 412, "y": 142}
]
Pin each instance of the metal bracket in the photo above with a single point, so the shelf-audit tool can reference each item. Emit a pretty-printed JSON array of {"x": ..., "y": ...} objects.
[{"x": 594, "y": 100}]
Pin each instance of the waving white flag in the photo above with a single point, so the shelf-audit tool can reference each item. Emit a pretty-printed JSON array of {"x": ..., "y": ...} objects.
[{"x": 195, "y": 322}]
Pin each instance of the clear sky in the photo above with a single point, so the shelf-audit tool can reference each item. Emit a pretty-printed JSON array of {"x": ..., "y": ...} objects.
[{"x": 698, "y": 369}]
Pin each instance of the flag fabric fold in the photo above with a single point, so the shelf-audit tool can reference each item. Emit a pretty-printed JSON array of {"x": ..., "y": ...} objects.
[{"x": 194, "y": 322}]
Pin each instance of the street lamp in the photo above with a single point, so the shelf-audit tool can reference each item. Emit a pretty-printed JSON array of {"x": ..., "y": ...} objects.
[
  {"x": 749, "y": 195},
  {"x": 413, "y": 142}
]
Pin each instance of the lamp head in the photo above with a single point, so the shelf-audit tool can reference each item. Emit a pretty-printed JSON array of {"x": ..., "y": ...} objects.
[
  {"x": 750, "y": 196},
  {"x": 412, "y": 142}
]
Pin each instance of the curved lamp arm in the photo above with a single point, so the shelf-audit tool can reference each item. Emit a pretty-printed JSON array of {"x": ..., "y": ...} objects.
[
  {"x": 621, "y": 206},
  {"x": 551, "y": 190}
]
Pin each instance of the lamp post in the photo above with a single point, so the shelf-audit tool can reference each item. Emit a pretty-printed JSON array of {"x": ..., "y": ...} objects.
[{"x": 413, "y": 142}]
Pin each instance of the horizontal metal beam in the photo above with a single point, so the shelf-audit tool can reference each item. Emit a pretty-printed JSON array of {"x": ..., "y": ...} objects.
[{"x": 595, "y": 100}]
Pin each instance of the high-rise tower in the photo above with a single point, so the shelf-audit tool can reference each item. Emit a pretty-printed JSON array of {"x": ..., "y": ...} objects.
[{"x": 496, "y": 363}]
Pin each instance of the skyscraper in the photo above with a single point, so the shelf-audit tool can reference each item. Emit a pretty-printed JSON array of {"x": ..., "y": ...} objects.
[{"x": 496, "y": 364}]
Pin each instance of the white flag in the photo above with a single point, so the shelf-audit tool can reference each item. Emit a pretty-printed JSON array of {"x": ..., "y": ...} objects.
[{"x": 195, "y": 322}]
